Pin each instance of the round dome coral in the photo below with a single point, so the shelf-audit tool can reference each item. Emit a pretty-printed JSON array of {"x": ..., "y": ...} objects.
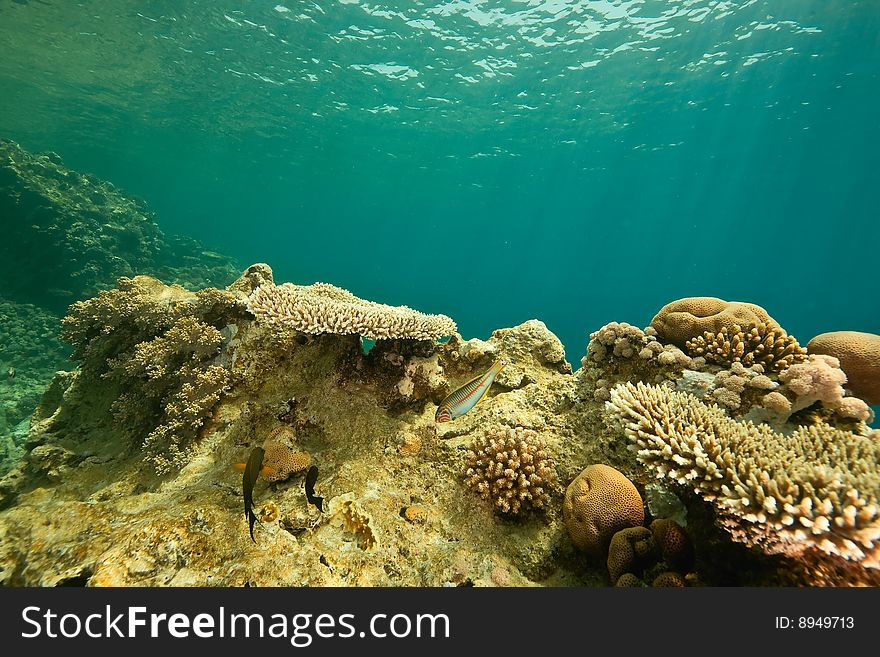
[
  {"x": 859, "y": 356},
  {"x": 598, "y": 503},
  {"x": 685, "y": 319}
]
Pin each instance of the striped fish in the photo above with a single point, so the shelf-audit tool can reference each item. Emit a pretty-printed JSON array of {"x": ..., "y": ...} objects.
[{"x": 467, "y": 396}]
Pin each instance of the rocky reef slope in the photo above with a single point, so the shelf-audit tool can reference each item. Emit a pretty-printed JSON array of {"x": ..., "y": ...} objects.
[{"x": 129, "y": 475}]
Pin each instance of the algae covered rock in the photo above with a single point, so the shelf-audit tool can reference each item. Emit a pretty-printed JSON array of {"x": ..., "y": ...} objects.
[{"x": 69, "y": 235}]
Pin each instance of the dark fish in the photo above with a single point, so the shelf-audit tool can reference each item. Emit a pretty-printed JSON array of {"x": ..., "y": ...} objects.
[
  {"x": 251, "y": 472},
  {"x": 311, "y": 478}
]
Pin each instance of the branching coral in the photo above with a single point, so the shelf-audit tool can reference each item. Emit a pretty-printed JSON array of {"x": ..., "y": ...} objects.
[
  {"x": 816, "y": 488},
  {"x": 325, "y": 308},
  {"x": 767, "y": 345},
  {"x": 155, "y": 346},
  {"x": 512, "y": 468},
  {"x": 170, "y": 384}
]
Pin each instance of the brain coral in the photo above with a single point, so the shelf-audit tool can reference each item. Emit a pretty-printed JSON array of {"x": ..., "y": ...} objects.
[
  {"x": 859, "y": 356},
  {"x": 687, "y": 318},
  {"x": 674, "y": 545},
  {"x": 325, "y": 308},
  {"x": 598, "y": 503},
  {"x": 631, "y": 550},
  {"x": 816, "y": 488},
  {"x": 511, "y": 467}
]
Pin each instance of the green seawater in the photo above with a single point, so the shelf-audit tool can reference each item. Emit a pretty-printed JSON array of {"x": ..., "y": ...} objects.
[{"x": 573, "y": 161}]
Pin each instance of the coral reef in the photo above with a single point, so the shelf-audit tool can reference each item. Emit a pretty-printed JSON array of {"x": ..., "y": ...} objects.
[
  {"x": 815, "y": 489},
  {"x": 76, "y": 234},
  {"x": 859, "y": 356},
  {"x": 190, "y": 381},
  {"x": 598, "y": 503},
  {"x": 512, "y": 468},
  {"x": 325, "y": 308},
  {"x": 688, "y": 318}
]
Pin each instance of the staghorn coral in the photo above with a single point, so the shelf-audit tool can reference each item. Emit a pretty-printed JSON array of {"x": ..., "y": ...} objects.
[
  {"x": 325, "y": 308},
  {"x": 685, "y": 319},
  {"x": 821, "y": 379},
  {"x": 815, "y": 489},
  {"x": 512, "y": 468},
  {"x": 767, "y": 345},
  {"x": 631, "y": 551},
  {"x": 859, "y": 356},
  {"x": 598, "y": 503}
]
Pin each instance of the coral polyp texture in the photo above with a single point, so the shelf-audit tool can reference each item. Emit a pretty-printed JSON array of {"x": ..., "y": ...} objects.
[
  {"x": 599, "y": 502},
  {"x": 820, "y": 379},
  {"x": 859, "y": 356},
  {"x": 768, "y": 346},
  {"x": 510, "y": 467},
  {"x": 814, "y": 489},
  {"x": 685, "y": 319},
  {"x": 325, "y": 308},
  {"x": 281, "y": 457}
]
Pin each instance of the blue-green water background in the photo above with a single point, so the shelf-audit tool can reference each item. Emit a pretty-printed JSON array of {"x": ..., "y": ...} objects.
[{"x": 576, "y": 162}]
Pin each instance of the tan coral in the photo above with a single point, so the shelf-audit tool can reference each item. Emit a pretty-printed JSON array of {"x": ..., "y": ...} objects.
[
  {"x": 816, "y": 488},
  {"x": 821, "y": 379},
  {"x": 767, "y": 345},
  {"x": 684, "y": 319},
  {"x": 512, "y": 468},
  {"x": 674, "y": 544},
  {"x": 324, "y": 308},
  {"x": 628, "y": 580},
  {"x": 598, "y": 503},
  {"x": 669, "y": 579},
  {"x": 631, "y": 550},
  {"x": 859, "y": 356}
]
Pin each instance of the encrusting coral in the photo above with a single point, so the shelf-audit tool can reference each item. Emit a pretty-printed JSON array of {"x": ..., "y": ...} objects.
[
  {"x": 599, "y": 502},
  {"x": 859, "y": 356},
  {"x": 510, "y": 467},
  {"x": 282, "y": 459},
  {"x": 816, "y": 488},
  {"x": 324, "y": 308}
]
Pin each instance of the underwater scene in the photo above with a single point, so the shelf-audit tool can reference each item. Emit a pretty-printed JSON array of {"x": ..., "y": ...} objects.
[{"x": 510, "y": 293}]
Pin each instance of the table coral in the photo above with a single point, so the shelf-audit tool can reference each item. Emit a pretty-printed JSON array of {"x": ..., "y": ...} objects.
[
  {"x": 598, "y": 503},
  {"x": 510, "y": 467},
  {"x": 859, "y": 356},
  {"x": 816, "y": 488},
  {"x": 325, "y": 308}
]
